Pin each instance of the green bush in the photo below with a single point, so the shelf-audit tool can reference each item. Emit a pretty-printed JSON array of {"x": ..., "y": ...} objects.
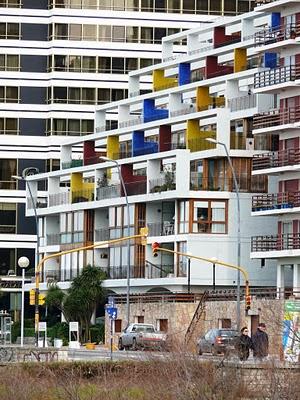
[{"x": 97, "y": 333}]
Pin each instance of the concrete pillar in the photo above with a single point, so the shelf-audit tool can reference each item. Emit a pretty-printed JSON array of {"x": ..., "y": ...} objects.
[
  {"x": 296, "y": 280},
  {"x": 280, "y": 281}
]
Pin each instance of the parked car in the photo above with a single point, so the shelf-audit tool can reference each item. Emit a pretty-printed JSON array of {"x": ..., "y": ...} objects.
[
  {"x": 217, "y": 341},
  {"x": 137, "y": 336}
]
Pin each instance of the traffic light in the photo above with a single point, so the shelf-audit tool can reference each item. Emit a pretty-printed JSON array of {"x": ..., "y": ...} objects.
[
  {"x": 155, "y": 247},
  {"x": 42, "y": 298},
  {"x": 32, "y": 297},
  {"x": 144, "y": 233},
  {"x": 248, "y": 302}
]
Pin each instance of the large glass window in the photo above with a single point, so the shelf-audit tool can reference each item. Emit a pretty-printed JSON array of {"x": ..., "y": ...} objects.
[
  {"x": 9, "y": 94},
  {"x": 88, "y": 64},
  {"x": 89, "y": 32},
  {"x": 9, "y": 126},
  {"x": 104, "y": 33},
  {"x": 7, "y": 169},
  {"x": 209, "y": 216},
  {"x": 75, "y": 32},
  {"x": 146, "y": 35},
  {"x": 9, "y": 62},
  {"x": 118, "y": 33},
  {"x": 7, "y": 218},
  {"x": 104, "y": 64}
]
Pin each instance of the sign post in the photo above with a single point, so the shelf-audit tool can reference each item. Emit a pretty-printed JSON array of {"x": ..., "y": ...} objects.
[
  {"x": 112, "y": 312},
  {"x": 74, "y": 334}
]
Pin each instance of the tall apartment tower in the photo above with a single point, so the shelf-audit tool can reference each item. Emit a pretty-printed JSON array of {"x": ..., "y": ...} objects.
[
  {"x": 278, "y": 42},
  {"x": 58, "y": 60}
]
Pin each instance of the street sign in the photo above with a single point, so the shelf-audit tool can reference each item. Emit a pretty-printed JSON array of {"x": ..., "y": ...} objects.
[
  {"x": 292, "y": 306},
  {"x": 112, "y": 312}
]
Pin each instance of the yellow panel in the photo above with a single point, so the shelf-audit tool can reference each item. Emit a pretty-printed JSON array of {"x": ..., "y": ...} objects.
[
  {"x": 195, "y": 139},
  {"x": 113, "y": 147},
  {"x": 76, "y": 181},
  {"x": 192, "y": 133},
  {"x": 203, "y": 98},
  {"x": 240, "y": 60},
  {"x": 160, "y": 82}
]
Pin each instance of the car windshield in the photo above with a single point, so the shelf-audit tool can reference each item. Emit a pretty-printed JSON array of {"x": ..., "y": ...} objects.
[
  {"x": 144, "y": 328},
  {"x": 228, "y": 333}
]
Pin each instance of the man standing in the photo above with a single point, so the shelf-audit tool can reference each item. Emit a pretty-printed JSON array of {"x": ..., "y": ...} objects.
[{"x": 260, "y": 342}]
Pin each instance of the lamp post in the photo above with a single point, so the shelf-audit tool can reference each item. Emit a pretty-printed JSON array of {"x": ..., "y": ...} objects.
[
  {"x": 236, "y": 188},
  {"x": 189, "y": 274},
  {"x": 23, "y": 263},
  {"x": 214, "y": 260},
  {"x": 25, "y": 173},
  {"x": 128, "y": 234}
]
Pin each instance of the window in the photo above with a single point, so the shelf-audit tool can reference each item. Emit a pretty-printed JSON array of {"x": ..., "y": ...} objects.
[
  {"x": 146, "y": 35},
  {"x": 89, "y": 32},
  {"x": 9, "y": 94},
  {"x": 118, "y": 33},
  {"x": 8, "y": 217},
  {"x": 9, "y": 62},
  {"x": 70, "y": 127},
  {"x": 10, "y": 3},
  {"x": 9, "y": 126},
  {"x": 209, "y": 216},
  {"x": 184, "y": 216},
  {"x": 9, "y": 31},
  {"x": 88, "y": 64}
]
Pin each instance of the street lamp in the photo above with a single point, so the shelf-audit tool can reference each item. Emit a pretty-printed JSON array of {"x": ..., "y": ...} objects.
[
  {"x": 25, "y": 173},
  {"x": 23, "y": 263},
  {"x": 214, "y": 260},
  {"x": 236, "y": 188},
  {"x": 128, "y": 234}
]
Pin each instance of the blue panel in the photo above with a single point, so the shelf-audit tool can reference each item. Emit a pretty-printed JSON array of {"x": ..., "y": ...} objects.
[
  {"x": 151, "y": 113},
  {"x": 270, "y": 60},
  {"x": 137, "y": 142},
  {"x": 275, "y": 20},
  {"x": 184, "y": 76}
]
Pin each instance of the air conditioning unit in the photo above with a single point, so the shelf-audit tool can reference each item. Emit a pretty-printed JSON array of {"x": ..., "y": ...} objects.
[{"x": 250, "y": 144}]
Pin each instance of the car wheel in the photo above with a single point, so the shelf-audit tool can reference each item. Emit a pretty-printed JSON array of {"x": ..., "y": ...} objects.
[
  {"x": 200, "y": 352},
  {"x": 214, "y": 351},
  {"x": 120, "y": 345},
  {"x": 134, "y": 344}
]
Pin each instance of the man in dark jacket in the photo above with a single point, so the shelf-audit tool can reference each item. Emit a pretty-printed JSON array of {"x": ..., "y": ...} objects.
[{"x": 260, "y": 342}]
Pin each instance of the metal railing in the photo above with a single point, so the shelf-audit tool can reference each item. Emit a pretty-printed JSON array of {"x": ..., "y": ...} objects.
[
  {"x": 136, "y": 188},
  {"x": 277, "y": 159},
  {"x": 288, "y": 241},
  {"x": 108, "y": 192},
  {"x": 164, "y": 228},
  {"x": 81, "y": 196},
  {"x": 8, "y": 185},
  {"x": 276, "y": 34},
  {"x": 168, "y": 182},
  {"x": 154, "y": 271},
  {"x": 275, "y": 76},
  {"x": 276, "y": 201},
  {"x": 59, "y": 199},
  {"x": 276, "y": 117},
  {"x": 120, "y": 272},
  {"x": 183, "y": 111},
  {"x": 38, "y": 202},
  {"x": 7, "y": 228},
  {"x": 246, "y": 184},
  {"x": 200, "y": 144},
  {"x": 242, "y": 103},
  {"x": 72, "y": 164}
]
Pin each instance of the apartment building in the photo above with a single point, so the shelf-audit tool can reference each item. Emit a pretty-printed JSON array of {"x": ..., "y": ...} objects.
[
  {"x": 58, "y": 59},
  {"x": 279, "y": 43},
  {"x": 178, "y": 183}
]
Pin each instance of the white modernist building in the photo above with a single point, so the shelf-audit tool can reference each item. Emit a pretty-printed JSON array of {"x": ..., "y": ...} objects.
[
  {"x": 58, "y": 60},
  {"x": 279, "y": 43},
  {"x": 178, "y": 183}
]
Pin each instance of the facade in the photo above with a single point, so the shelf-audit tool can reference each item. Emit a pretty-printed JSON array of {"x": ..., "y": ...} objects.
[
  {"x": 279, "y": 42},
  {"x": 178, "y": 183},
  {"x": 58, "y": 59}
]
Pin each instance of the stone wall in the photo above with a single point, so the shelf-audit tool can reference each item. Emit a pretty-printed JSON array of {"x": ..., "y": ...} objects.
[{"x": 179, "y": 316}]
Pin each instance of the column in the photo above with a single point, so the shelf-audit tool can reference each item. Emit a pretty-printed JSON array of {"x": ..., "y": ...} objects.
[{"x": 280, "y": 281}]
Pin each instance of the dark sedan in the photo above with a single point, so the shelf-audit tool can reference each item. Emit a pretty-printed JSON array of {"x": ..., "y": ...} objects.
[{"x": 217, "y": 341}]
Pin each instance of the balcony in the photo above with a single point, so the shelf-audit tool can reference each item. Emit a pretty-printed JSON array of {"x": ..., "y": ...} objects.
[
  {"x": 81, "y": 196},
  {"x": 56, "y": 239},
  {"x": 108, "y": 192},
  {"x": 163, "y": 184},
  {"x": 242, "y": 103},
  {"x": 277, "y": 159},
  {"x": 164, "y": 228},
  {"x": 38, "y": 202},
  {"x": 271, "y": 35},
  {"x": 72, "y": 164},
  {"x": 120, "y": 272},
  {"x": 276, "y": 118},
  {"x": 276, "y": 201},
  {"x": 59, "y": 199},
  {"x": 216, "y": 183},
  {"x": 154, "y": 271},
  {"x": 288, "y": 241},
  {"x": 275, "y": 76},
  {"x": 136, "y": 188}
]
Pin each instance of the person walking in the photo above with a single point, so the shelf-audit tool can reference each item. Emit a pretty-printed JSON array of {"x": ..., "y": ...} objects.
[
  {"x": 244, "y": 344},
  {"x": 260, "y": 342}
]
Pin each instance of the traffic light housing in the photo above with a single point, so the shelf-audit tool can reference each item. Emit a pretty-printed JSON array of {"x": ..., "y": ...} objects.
[
  {"x": 155, "y": 247},
  {"x": 247, "y": 298},
  {"x": 42, "y": 299},
  {"x": 32, "y": 297}
]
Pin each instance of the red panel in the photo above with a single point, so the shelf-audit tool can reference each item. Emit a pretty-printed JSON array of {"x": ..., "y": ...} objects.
[
  {"x": 295, "y": 227},
  {"x": 89, "y": 152},
  {"x": 297, "y": 17},
  {"x": 164, "y": 138},
  {"x": 135, "y": 184},
  {"x": 280, "y": 186},
  {"x": 281, "y": 144},
  {"x": 291, "y": 185},
  {"x": 279, "y": 227}
]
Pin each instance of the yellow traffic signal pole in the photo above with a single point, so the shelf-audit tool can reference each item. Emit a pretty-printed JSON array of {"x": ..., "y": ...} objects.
[
  {"x": 213, "y": 261},
  {"x": 142, "y": 235}
]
